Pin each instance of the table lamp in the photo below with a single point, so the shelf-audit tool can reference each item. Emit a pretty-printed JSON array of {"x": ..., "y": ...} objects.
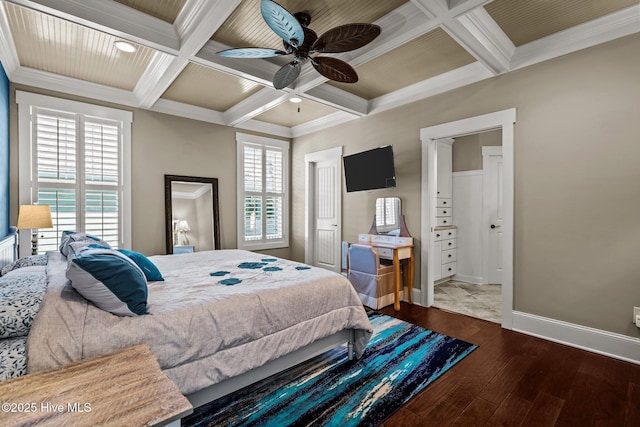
[
  {"x": 34, "y": 217},
  {"x": 182, "y": 228}
]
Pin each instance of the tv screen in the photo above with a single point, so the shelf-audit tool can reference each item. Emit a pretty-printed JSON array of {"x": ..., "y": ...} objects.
[{"x": 370, "y": 169}]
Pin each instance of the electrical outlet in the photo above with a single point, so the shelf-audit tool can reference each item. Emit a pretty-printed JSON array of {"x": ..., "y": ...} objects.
[{"x": 636, "y": 313}]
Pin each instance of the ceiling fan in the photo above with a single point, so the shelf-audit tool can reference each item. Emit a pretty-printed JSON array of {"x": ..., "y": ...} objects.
[{"x": 305, "y": 45}]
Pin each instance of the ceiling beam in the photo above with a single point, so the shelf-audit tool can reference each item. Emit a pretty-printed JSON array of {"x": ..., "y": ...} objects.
[
  {"x": 197, "y": 22},
  {"x": 338, "y": 99},
  {"x": 479, "y": 34},
  {"x": 263, "y": 100}
]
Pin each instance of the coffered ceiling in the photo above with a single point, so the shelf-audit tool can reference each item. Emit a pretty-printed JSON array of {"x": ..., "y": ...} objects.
[{"x": 426, "y": 47}]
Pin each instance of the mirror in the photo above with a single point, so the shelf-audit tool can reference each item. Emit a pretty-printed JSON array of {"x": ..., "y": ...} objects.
[
  {"x": 191, "y": 213},
  {"x": 388, "y": 215}
]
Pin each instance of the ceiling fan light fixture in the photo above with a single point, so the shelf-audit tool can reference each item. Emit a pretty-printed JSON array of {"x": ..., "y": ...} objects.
[
  {"x": 303, "y": 43},
  {"x": 124, "y": 46},
  {"x": 295, "y": 99}
]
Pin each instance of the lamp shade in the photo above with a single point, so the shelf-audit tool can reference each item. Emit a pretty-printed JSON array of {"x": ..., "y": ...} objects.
[
  {"x": 183, "y": 225},
  {"x": 35, "y": 216}
]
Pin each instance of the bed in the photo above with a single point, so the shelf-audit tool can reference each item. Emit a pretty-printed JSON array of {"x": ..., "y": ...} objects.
[{"x": 219, "y": 320}]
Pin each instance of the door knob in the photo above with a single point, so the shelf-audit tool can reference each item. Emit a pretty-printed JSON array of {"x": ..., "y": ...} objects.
[{"x": 494, "y": 226}]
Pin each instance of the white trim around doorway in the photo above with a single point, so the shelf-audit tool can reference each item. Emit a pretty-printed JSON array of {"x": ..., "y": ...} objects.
[{"x": 505, "y": 121}]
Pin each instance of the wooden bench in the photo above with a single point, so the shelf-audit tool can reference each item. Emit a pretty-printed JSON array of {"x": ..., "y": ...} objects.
[{"x": 124, "y": 388}]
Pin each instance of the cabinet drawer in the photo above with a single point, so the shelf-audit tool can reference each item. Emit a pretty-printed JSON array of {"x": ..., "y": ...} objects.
[
  {"x": 450, "y": 233},
  {"x": 439, "y": 235},
  {"x": 448, "y": 256},
  {"x": 444, "y": 211},
  {"x": 442, "y": 202},
  {"x": 385, "y": 253},
  {"x": 443, "y": 221},
  {"x": 448, "y": 244},
  {"x": 448, "y": 269}
]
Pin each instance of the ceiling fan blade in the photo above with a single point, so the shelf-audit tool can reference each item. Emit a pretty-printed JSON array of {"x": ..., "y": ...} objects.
[
  {"x": 346, "y": 37},
  {"x": 286, "y": 75},
  {"x": 282, "y": 22},
  {"x": 251, "y": 52},
  {"x": 335, "y": 69}
]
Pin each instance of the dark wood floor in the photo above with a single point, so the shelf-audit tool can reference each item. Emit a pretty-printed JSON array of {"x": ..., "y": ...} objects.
[{"x": 513, "y": 379}]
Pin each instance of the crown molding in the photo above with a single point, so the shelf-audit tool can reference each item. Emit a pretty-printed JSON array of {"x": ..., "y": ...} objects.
[
  {"x": 316, "y": 125},
  {"x": 82, "y": 88},
  {"x": 454, "y": 79},
  {"x": 8, "y": 55},
  {"x": 615, "y": 25},
  {"x": 113, "y": 18}
]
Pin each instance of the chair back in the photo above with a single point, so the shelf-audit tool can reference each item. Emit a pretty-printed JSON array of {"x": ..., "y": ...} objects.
[{"x": 363, "y": 258}]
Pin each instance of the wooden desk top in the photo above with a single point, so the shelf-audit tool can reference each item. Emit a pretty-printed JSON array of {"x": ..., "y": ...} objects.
[
  {"x": 124, "y": 388},
  {"x": 389, "y": 245}
]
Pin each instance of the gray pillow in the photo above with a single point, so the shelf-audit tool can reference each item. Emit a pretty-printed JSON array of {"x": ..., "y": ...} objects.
[
  {"x": 24, "y": 262},
  {"x": 20, "y": 298}
]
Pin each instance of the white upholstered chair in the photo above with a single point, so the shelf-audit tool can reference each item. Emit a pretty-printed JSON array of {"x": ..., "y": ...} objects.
[{"x": 373, "y": 281}]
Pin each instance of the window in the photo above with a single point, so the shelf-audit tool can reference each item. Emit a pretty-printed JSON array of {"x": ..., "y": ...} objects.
[
  {"x": 263, "y": 182},
  {"x": 74, "y": 157}
]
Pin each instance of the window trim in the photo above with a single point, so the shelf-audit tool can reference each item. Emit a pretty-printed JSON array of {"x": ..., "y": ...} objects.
[
  {"x": 241, "y": 140},
  {"x": 27, "y": 100}
]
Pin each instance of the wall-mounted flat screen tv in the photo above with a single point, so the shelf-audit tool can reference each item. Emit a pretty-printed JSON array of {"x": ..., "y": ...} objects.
[{"x": 370, "y": 169}]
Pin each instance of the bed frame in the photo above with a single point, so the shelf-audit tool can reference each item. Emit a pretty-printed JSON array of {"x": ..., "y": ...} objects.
[
  {"x": 283, "y": 363},
  {"x": 9, "y": 248}
]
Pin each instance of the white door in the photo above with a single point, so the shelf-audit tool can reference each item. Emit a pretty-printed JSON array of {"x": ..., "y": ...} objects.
[
  {"x": 492, "y": 166},
  {"x": 324, "y": 192}
]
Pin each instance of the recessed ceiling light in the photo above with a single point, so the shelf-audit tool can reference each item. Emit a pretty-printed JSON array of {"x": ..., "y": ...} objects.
[
  {"x": 295, "y": 99},
  {"x": 124, "y": 46}
]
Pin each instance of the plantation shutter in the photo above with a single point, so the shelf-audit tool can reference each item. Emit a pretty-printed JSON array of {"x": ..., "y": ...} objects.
[
  {"x": 262, "y": 191},
  {"x": 102, "y": 172},
  {"x": 77, "y": 172}
]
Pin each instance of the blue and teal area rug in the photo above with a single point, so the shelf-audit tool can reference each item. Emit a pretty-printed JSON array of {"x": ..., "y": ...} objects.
[{"x": 400, "y": 361}]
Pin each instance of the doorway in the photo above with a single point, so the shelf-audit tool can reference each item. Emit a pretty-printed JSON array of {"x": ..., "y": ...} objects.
[
  {"x": 476, "y": 288},
  {"x": 323, "y": 209},
  {"x": 503, "y": 120}
]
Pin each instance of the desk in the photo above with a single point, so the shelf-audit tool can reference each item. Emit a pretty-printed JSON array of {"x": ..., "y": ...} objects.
[
  {"x": 397, "y": 252},
  {"x": 124, "y": 388}
]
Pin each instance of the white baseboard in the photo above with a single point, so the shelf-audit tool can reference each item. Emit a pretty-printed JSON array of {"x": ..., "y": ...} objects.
[
  {"x": 595, "y": 340},
  {"x": 469, "y": 279}
]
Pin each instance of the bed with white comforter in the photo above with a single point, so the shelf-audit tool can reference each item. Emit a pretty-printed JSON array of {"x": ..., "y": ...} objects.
[{"x": 218, "y": 314}]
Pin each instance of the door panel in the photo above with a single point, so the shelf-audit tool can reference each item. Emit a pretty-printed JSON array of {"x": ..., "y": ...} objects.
[
  {"x": 326, "y": 214},
  {"x": 493, "y": 170}
]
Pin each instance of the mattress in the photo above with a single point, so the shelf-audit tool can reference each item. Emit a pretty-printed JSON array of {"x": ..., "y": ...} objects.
[{"x": 216, "y": 315}]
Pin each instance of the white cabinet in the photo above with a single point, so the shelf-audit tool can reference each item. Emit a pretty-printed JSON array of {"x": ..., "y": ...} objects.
[
  {"x": 444, "y": 167},
  {"x": 444, "y": 253},
  {"x": 444, "y": 246}
]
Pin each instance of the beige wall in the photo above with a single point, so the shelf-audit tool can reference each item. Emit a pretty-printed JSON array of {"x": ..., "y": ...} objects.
[
  {"x": 467, "y": 150},
  {"x": 162, "y": 144},
  {"x": 577, "y": 178},
  {"x": 577, "y": 197}
]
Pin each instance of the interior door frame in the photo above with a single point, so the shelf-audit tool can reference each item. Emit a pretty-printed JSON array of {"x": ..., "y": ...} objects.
[
  {"x": 309, "y": 233},
  {"x": 504, "y": 120}
]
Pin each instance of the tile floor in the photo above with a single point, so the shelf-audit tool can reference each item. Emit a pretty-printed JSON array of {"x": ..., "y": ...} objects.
[{"x": 479, "y": 301}]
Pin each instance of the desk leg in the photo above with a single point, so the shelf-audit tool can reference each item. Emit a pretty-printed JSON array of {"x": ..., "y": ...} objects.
[
  {"x": 410, "y": 279},
  {"x": 396, "y": 267}
]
